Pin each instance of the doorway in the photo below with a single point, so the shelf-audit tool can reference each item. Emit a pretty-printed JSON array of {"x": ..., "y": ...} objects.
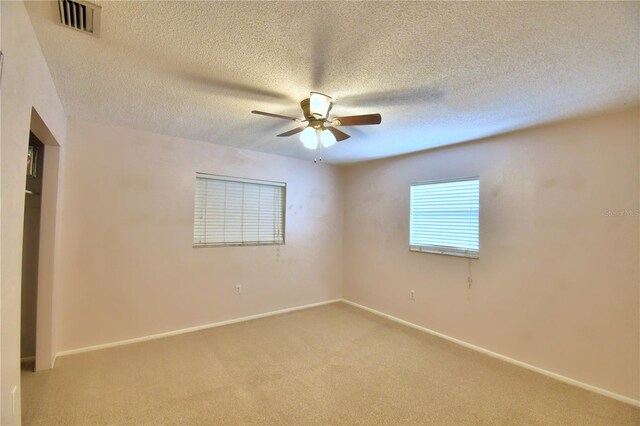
[
  {"x": 41, "y": 222},
  {"x": 31, "y": 251}
]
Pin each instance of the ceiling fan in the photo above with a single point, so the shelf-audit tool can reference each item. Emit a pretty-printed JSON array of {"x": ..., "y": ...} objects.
[{"x": 320, "y": 130}]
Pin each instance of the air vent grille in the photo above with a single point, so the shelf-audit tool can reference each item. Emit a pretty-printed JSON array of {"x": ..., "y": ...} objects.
[{"x": 80, "y": 15}]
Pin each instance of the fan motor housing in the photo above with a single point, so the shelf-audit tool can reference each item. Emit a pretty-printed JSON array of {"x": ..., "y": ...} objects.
[
  {"x": 305, "y": 105},
  {"x": 315, "y": 122}
]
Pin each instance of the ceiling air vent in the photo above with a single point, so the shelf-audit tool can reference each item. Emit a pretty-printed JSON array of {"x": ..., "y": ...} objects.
[{"x": 80, "y": 15}]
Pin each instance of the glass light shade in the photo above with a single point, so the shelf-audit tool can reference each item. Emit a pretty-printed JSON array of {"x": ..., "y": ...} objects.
[
  {"x": 309, "y": 138},
  {"x": 319, "y": 104},
  {"x": 327, "y": 138}
]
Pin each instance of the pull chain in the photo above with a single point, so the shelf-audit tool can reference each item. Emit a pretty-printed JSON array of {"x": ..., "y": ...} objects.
[{"x": 318, "y": 150}]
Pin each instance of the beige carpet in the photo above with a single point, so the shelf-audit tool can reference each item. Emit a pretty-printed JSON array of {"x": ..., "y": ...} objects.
[{"x": 334, "y": 364}]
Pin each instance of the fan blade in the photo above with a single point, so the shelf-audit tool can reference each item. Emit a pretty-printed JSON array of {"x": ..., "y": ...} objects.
[
  {"x": 284, "y": 117},
  {"x": 339, "y": 134},
  {"x": 293, "y": 132},
  {"x": 358, "y": 120}
]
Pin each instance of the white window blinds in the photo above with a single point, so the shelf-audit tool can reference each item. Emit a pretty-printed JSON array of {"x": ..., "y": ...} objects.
[
  {"x": 444, "y": 217},
  {"x": 231, "y": 211}
]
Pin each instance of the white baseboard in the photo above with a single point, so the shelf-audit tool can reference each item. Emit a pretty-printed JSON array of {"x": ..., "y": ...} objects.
[
  {"x": 189, "y": 330},
  {"x": 505, "y": 358},
  {"x": 547, "y": 373}
]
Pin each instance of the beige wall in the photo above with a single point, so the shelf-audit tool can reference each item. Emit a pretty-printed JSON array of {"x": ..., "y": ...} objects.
[
  {"x": 26, "y": 84},
  {"x": 556, "y": 285},
  {"x": 129, "y": 269},
  {"x": 557, "y": 282}
]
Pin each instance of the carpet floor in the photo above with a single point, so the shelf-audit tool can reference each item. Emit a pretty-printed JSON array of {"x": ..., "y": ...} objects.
[{"x": 334, "y": 364}]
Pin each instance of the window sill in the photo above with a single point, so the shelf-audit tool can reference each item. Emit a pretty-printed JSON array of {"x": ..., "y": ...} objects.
[
  {"x": 444, "y": 251},
  {"x": 237, "y": 245}
]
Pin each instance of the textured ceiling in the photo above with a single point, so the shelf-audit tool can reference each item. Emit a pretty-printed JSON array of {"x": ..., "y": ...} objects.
[{"x": 439, "y": 73}]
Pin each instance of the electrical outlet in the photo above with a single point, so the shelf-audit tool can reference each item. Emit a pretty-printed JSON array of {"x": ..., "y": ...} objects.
[
  {"x": 412, "y": 294},
  {"x": 238, "y": 289}
]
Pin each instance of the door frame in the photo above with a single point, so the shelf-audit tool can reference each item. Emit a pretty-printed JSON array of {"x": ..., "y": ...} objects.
[{"x": 49, "y": 231}]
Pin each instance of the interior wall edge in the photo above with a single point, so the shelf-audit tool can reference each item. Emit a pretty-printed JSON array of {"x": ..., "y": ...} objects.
[
  {"x": 26, "y": 86},
  {"x": 557, "y": 285},
  {"x": 505, "y": 358},
  {"x": 109, "y": 193},
  {"x": 551, "y": 374},
  {"x": 515, "y": 132}
]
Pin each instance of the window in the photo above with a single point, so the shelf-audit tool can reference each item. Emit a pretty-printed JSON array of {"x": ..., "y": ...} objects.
[
  {"x": 232, "y": 211},
  {"x": 445, "y": 216}
]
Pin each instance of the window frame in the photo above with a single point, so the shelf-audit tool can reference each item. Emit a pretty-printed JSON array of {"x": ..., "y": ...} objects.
[
  {"x": 445, "y": 250},
  {"x": 212, "y": 176}
]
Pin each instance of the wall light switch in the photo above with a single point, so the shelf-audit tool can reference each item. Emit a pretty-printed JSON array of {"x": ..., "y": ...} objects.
[{"x": 14, "y": 399}]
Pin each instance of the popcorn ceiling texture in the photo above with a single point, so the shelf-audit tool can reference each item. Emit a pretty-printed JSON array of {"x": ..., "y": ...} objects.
[{"x": 439, "y": 73}]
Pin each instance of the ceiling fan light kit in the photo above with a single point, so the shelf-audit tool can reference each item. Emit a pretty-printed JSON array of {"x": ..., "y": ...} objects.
[
  {"x": 320, "y": 131},
  {"x": 309, "y": 138},
  {"x": 327, "y": 138}
]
